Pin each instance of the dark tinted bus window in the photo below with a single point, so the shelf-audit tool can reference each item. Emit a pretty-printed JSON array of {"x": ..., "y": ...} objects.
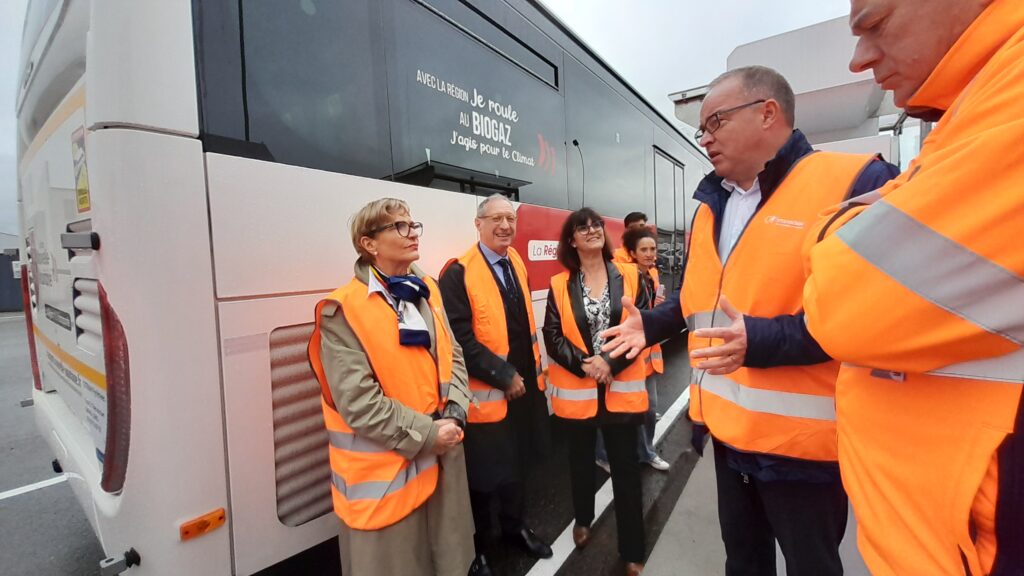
[
  {"x": 614, "y": 140},
  {"x": 314, "y": 84},
  {"x": 462, "y": 112},
  {"x": 473, "y": 19}
]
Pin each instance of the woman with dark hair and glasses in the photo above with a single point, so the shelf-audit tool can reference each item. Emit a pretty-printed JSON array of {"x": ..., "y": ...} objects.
[
  {"x": 394, "y": 394},
  {"x": 588, "y": 389}
]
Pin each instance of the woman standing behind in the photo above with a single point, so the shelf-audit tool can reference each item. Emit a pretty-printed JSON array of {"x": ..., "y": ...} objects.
[
  {"x": 591, "y": 390},
  {"x": 394, "y": 397},
  {"x": 642, "y": 246}
]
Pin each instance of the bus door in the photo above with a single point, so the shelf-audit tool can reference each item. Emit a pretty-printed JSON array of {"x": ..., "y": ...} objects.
[{"x": 670, "y": 219}]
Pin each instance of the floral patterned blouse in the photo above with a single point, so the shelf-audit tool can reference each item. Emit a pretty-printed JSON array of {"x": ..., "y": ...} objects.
[{"x": 598, "y": 313}]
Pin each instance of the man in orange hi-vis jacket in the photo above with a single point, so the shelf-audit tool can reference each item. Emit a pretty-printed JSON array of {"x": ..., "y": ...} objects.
[
  {"x": 931, "y": 444},
  {"x": 919, "y": 290}
]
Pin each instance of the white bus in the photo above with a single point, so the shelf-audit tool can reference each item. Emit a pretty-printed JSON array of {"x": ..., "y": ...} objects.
[{"x": 186, "y": 173}]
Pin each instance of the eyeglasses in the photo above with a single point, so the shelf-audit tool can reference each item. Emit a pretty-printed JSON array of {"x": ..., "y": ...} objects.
[
  {"x": 497, "y": 219},
  {"x": 714, "y": 121},
  {"x": 402, "y": 227},
  {"x": 592, "y": 227}
]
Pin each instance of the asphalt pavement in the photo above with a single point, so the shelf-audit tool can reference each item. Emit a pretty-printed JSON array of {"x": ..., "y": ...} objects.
[{"x": 44, "y": 531}]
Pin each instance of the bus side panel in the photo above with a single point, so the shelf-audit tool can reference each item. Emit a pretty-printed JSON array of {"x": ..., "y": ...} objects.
[
  {"x": 149, "y": 209},
  {"x": 280, "y": 492},
  {"x": 70, "y": 410},
  {"x": 127, "y": 40},
  {"x": 282, "y": 229}
]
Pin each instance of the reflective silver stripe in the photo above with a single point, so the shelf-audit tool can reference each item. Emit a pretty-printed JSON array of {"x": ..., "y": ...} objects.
[
  {"x": 869, "y": 198},
  {"x": 533, "y": 338},
  {"x": 490, "y": 395},
  {"x": 353, "y": 443},
  {"x": 699, "y": 320},
  {"x": 379, "y": 489},
  {"x": 628, "y": 386},
  {"x": 444, "y": 389},
  {"x": 573, "y": 394},
  {"x": 768, "y": 401},
  {"x": 656, "y": 356},
  {"x": 938, "y": 269},
  {"x": 1005, "y": 368}
]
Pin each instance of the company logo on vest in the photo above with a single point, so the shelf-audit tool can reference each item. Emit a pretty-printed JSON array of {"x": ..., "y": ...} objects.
[{"x": 785, "y": 222}]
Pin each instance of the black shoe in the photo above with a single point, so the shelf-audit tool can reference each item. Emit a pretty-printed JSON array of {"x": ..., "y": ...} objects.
[
  {"x": 529, "y": 542},
  {"x": 480, "y": 567}
]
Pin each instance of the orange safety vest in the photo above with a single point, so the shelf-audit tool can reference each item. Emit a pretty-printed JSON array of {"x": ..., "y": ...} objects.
[
  {"x": 372, "y": 486},
  {"x": 490, "y": 329},
  {"x": 621, "y": 256},
  {"x": 576, "y": 398},
  {"x": 654, "y": 359},
  {"x": 930, "y": 335},
  {"x": 789, "y": 410}
]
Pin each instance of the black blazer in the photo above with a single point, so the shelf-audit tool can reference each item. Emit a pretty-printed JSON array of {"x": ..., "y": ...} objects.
[{"x": 564, "y": 352}]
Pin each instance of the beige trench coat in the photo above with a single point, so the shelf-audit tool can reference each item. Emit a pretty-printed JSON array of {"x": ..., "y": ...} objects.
[{"x": 437, "y": 538}]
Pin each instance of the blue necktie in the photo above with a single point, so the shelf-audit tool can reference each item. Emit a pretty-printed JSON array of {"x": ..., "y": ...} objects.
[{"x": 510, "y": 284}]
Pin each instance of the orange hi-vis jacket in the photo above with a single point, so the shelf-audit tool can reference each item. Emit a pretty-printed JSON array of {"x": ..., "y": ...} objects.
[
  {"x": 576, "y": 398},
  {"x": 621, "y": 255},
  {"x": 490, "y": 329},
  {"x": 652, "y": 356},
  {"x": 787, "y": 410},
  {"x": 654, "y": 359},
  {"x": 931, "y": 338},
  {"x": 373, "y": 487}
]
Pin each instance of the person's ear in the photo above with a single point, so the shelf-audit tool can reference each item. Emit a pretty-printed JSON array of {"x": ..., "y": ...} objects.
[
  {"x": 368, "y": 244},
  {"x": 771, "y": 113}
]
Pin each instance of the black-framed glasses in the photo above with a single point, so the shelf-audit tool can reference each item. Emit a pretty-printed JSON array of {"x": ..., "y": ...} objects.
[
  {"x": 594, "y": 226},
  {"x": 402, "y": 227},
  {"x": 714, "y": 121}
]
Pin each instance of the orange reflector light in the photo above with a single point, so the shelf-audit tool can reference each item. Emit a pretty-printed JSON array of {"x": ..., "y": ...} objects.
[{"x": 203, "y": 524}]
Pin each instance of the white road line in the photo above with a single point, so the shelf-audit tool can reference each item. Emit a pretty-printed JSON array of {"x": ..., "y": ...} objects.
[
  {"x": 563, "y": 545},
  {"x": 32, "y": 487},
  {"x": 11, "y": 319}
]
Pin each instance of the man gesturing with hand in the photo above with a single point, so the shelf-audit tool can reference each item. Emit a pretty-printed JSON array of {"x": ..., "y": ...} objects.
[{"x": 760, "y": 385}]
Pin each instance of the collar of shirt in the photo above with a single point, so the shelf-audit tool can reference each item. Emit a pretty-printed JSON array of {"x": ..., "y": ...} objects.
[
  {"x": 373, "y": 285},
  {"x": 491, "y": 255},
  {"x": 734, "y": 187},
  {"x": 493, "y": 258}
]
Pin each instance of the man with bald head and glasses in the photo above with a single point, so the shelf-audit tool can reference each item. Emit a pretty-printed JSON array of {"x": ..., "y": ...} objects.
[{"x": 768, "y": 406}]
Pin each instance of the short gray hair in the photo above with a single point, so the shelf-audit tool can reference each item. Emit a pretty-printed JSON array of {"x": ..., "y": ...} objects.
[
  {"x": 482, "y": 207},
  {"x": 764, "y": 82}
]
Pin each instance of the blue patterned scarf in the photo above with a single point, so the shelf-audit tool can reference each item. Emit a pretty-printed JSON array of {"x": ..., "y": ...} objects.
[{"x": 407, "y": 290}]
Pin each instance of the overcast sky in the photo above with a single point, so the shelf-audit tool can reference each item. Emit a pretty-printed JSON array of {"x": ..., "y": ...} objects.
[{"x": 658, "y": 46}]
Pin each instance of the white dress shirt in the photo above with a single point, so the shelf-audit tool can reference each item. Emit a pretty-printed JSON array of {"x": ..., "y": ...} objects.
[{"x": 738, "y": 210}]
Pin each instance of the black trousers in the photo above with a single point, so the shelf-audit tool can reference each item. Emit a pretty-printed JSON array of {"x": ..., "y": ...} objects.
[
  {"x": 620, "y": 441},
  {"x": 509, "y": 497},
  {"x": 807, "y": 518}
]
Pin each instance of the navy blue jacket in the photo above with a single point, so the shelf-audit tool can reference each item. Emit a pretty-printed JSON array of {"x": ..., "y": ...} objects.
[{"x": 779, "y": 341}]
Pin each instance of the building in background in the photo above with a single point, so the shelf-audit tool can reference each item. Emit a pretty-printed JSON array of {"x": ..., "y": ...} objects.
[{"x": 10, "y": 289}]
